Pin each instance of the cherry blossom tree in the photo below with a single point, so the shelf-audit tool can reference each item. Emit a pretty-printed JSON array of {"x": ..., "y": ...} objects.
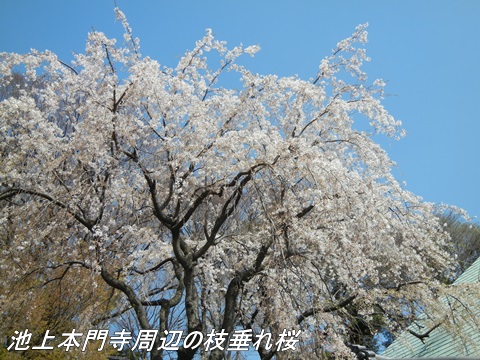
[{"x": 263, "y": 207}]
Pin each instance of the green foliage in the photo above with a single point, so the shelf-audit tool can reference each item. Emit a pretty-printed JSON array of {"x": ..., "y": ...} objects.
[{"x": 465, "y": 241}]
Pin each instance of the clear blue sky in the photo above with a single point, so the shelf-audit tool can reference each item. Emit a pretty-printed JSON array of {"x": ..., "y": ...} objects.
[{"x": 428, "y": 51}]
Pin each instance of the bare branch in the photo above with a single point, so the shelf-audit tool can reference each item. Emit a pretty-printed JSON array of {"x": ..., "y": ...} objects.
[
  {"x": 425, "y": 334},
  {"x": 327, "y": 309},
  {"x": 17, "y": 191}
]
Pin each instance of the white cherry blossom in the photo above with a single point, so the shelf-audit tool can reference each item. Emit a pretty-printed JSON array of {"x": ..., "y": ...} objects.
[{"x": 263, "y": 206}]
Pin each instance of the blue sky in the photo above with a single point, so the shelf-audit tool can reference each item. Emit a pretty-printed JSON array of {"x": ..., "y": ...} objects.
[{"x": 428, "y": 51}]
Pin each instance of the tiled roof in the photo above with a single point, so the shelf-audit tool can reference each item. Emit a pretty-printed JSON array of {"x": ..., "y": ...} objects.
[{"x": 440, "y": 341}]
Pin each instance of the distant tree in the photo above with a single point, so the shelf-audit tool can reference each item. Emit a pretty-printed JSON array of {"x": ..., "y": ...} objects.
[
  {"x": 464, "y": 249},
  {"x": 465, "y": 241},
  {"x": 45, "y": 296},
  {"x": 258, "y": 208}
]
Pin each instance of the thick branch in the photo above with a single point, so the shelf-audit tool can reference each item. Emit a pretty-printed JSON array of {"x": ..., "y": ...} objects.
[
  {"x": 304, "y": 211},
  {"x": 191, "y": 310},
  {"x": 154, "y": 268},
  {"x": 399, "y": 286},
  {"x": 327, "y": 309},
  {"x": 175, "y": 299},
  {"x": 16, "y": 191},
  {"x": 131, "y": 296},
  {"x": 152, "y": 186},
  {"x": 227, "y": 210}
]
